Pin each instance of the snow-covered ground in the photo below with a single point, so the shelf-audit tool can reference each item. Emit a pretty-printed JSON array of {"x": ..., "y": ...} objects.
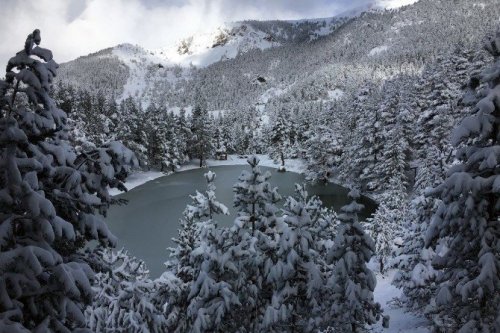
[
  {"x": 136, "y": 179},
  {"x": 377, "y": 50},
  {"x": 400, "y": 321},
  {"x": 141, "y": 177}
]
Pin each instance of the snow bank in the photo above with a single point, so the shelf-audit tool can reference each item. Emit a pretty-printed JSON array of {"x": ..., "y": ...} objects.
[
  {"x": 142, "y": 177},
  {"x": 138, "y": 178},
  {"x": 401, "y": 321}
]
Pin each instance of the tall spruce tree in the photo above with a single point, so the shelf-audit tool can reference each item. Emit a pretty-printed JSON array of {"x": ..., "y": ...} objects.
[
  {"x": 190, "y": 259},
  {"x": 50, "y": 200},
  {"x": 352, "y": 282},
  {"x": 255, "y": 236},
  {"x": 201, "y": 136},
  {"x": 469, "y": 286},
  {"x": 298, "y": 274}
]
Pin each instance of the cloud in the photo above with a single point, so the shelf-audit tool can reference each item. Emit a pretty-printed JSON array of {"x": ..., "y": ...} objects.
[{"x": 72, "y": 28}]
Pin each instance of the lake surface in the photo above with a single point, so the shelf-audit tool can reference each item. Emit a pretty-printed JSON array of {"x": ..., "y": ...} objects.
[{"x": 147, "y": 224}]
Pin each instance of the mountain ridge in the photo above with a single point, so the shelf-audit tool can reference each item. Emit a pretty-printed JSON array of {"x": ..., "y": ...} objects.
[{"x": 297, "y": 60}]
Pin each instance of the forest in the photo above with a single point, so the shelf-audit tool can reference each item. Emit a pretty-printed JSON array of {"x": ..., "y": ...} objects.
[{"x": 414, "y": 127}]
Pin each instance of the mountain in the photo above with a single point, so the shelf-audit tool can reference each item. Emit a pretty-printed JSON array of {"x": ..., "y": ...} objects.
[
  {"x": 257, "y": 63},
  {"x": 125, "y": 69}
]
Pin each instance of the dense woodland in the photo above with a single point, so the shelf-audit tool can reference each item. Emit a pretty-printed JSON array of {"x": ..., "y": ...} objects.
[{"x": 417, "y": 128}]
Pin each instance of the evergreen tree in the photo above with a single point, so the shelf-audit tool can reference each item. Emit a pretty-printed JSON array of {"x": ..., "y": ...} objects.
[
  {"x": 416, "y": 276},
  {"x": 198, "y": 231},
  {"x": 255, "y": 236},
  {"x": 182, "y": 134},
  {"x": 323, "y": 154},
  {"x": 123, "y": 296},
  {"x": 299, "y": 273},
  {"x": 281, "y": 138},
  {"x": 469, "y": 286},
  {"x": 50, "y": 200},
  {"x": 352, "y": 282},
  {"x": 364, "y": 138},
  {"x": 201, "y": 136},
  {"x": 254, "y": 197},
  {"x": 132, "y": 129},
  {"x": 213, "y": 297}
]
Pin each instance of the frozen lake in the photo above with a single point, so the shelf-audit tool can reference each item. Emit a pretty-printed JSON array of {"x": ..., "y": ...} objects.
[{"x": 146, "y": 225}]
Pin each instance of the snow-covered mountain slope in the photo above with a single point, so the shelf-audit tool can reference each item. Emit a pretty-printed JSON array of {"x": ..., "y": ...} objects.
[
  {"x": 235, "y": 66},
  {"x": 225, "y": 42},
  {"x": 137, "y": 67}
]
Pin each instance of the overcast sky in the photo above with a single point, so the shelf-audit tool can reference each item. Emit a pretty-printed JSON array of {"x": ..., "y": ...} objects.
[{"x": 71, "y": 28}]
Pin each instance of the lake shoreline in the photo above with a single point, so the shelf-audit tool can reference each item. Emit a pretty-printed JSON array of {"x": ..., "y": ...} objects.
[{"x": 141, "y": 177}]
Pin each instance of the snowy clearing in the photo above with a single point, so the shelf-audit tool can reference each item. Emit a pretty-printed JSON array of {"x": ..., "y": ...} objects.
[{"x": 400, "y": 321}]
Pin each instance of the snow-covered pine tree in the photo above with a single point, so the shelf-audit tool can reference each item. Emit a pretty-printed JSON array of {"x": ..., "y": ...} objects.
[
  {"x": 390, "y": 164},
  {"x": 214, "y": 295},
  {"x": 364, "y": 139},
  {"x": 416, "y": 276},
  {"x": 201, "y": 136},
  {"x": 298, "y": 273},
  {"x": 280, "y": 136},
  {"x": 254, "y": 197},
  {"x": 182, "y": 134},
  {"x": 132, "y": 130},
  {"x": 174, "y": 155},
  {"x": 352, "y": 282},
  {"x": 123, "y": 296},
  {"x": 198, "y": 229},
  {"x": 205, "y": 206},
  {"x": 469, "y": 286},
  {"x": 386, "y": 224},
  {"x": 255, "y": 234},
  {"x": 323, "y": 154},
  {"x": 181, "y": 271},
  {"x": 50, "y": 200},
  {"x": 155, "y": 130}
]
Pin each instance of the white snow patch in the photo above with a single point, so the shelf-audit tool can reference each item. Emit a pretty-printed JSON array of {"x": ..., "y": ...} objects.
[
  {"x": 271, "y": 93},
  {"x": 137, "y": 60},
  {"x": 265, "y": 119},
  {"x": 136, "y": 179},
  {"x": 176, "y": 110},
  {"x": 401, "y": 24},
  {"x": 326, "y": 29},
  {"x": 335, "y": 94},
  {"x": 400, "y": 321},
  {"x": 137, "y": 71},
  {"x": 292, "y": 165},
  {"x": 377, "y": 50},
  {"x": 225, "y": 42},
  {"x": 393, "y": 4}
]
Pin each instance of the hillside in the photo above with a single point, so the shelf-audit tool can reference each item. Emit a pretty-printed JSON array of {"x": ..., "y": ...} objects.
[{"x": 311, "y": 58}]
